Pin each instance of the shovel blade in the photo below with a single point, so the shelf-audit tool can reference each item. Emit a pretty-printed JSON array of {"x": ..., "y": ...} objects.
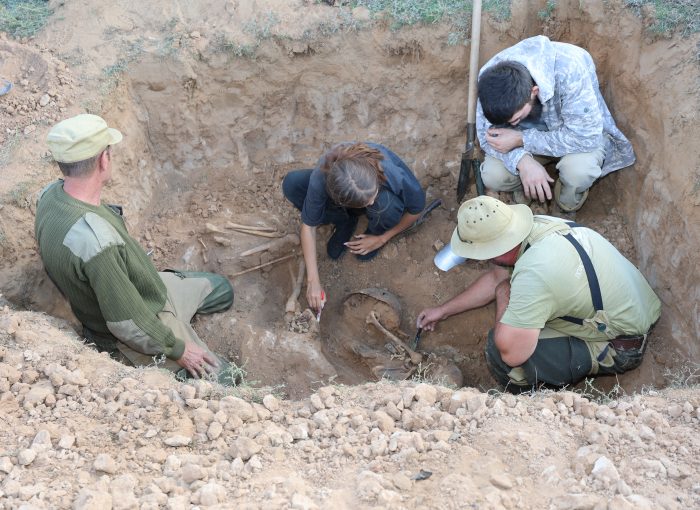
[{"x": 463, "y": 182}]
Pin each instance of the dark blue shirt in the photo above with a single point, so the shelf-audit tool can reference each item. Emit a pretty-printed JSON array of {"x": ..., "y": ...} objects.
[{"x": 399, "y": 180}]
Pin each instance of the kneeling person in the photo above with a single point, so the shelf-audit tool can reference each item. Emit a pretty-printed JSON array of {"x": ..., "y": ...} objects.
[
  {"x": 352, "y": 179},
  {"x": 573, "y": 306},
  {"x": 126, "y": 306}
]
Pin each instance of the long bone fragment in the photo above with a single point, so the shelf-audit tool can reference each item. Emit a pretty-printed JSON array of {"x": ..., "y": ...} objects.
[
  {"x": 292, "y": 239},
  {"x": 292, "y": 303},
  {"x": 372, "y": 318},
  {"x": 260, "y": 266}
]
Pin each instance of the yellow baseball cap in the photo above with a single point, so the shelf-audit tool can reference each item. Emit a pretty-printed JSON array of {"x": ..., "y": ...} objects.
[{"x": 80, "y": 138}]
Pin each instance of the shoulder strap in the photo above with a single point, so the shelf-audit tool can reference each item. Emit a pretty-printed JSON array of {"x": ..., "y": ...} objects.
[{"x": 593, "y": 284}]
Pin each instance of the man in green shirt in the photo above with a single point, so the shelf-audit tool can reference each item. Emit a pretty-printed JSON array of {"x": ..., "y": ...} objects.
[
  {"x": 571, "y": 306},
  {"x": 127, "y": 308}
]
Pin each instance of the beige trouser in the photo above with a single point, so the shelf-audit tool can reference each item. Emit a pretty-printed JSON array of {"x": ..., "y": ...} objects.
[
  {"x": 185, "y": 296},
  {"x": 577, "y": 172}
]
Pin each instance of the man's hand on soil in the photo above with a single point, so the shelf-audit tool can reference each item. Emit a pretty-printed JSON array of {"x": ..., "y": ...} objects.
[
  {"x": 535, "y": 179},
  {"x": 503, "y": 139},
  {"x": 198, "y": 361},
  {"x": 429, "y": 317},
  {"x": 365, "y": 243}
]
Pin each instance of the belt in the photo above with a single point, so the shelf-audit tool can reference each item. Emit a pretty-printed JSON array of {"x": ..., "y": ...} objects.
[{"x": 629, "y": 342}]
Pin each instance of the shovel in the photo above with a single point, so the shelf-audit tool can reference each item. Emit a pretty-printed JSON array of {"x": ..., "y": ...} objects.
[{"x": 470, "y": 161}]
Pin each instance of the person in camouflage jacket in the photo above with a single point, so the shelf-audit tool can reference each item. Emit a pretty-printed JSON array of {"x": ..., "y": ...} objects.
[{"x": 540, "y": 100}]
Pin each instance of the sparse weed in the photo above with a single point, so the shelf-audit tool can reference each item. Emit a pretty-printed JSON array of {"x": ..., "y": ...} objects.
[
  {"x": 20, "y": 195},
  {"x": 113, "y": 73},
  {"x": 498, "y": 9},
  {"x": 222, "y": 44},
  {"x": 597, "y": 395},
  {"x": 670, "y": 15},
  {"x": 23, "y": 18},
  {"x": 425, "y": 373},
  {"x": 261, "y": 27},
  {"x": 686, "y": 375},
  {"x": 8, "y": 148},
  {"x": 411, "y": 12},
  {"x": 546, "y": 13}
]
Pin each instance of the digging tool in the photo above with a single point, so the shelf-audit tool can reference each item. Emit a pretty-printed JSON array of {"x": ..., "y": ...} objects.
[
  {"x": 470, "y": 161},
  {"x": 320, "y": 309},
  {"x": 423, "y": 216},
  {"x": 415, "y": 343}
]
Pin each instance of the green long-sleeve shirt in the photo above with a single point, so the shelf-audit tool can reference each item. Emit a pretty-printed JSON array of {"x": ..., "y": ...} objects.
[{"x": 111, "y": 284}]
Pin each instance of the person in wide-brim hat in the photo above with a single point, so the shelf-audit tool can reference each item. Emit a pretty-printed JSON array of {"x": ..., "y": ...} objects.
[{"x": 571, "y": 306}]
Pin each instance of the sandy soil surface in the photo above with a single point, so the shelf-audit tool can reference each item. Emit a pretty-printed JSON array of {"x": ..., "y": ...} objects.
[{"x": 216, "y": 105}]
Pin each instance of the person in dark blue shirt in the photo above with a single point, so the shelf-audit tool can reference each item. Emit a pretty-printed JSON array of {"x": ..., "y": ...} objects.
[{"x": 352, "y": 179}]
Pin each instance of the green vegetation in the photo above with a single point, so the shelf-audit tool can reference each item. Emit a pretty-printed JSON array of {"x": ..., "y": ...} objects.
[
  {"x": 261, "y": 28},
  {"x": 410, "y": 12},
  {"x": 23, "y": 18},
  {"x": 20, "y": 195},
  {"x": 132, "y": 51},
  {"x": 671, "y": 15},
  {"x": 546, "y": 13},
  {"x": 8, "y": 147},
  {"x": 222, "y": 44},
  {"x": 497, "y": 9}
]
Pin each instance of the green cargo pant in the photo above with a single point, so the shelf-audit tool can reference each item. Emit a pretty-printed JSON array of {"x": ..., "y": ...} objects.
[
  {"x": 189, "y": 293},
  {"x": 559, "y": 361}
]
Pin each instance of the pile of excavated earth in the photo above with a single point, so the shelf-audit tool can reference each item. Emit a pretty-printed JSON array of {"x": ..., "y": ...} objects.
[{"x": 79, "y": 430}]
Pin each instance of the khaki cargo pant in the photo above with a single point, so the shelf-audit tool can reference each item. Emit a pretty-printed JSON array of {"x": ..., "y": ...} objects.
[
  {"x": 577, "y": 173},
  {"x": 189, "y": 293}
]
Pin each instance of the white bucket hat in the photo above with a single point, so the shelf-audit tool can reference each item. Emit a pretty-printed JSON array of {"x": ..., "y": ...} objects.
[{"x": 486, "y": 228}]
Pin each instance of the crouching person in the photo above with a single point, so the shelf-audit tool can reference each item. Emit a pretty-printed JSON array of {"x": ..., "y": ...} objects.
[
  {"x": 126, "y": 306},
  {"x": 568, "y": 304}
]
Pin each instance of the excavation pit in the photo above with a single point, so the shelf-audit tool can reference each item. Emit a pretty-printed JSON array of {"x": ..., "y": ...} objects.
[{"x": 210, "y": 131}]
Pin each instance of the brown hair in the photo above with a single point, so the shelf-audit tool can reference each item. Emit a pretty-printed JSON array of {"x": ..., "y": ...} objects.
[{"x": 353, "y": 174}]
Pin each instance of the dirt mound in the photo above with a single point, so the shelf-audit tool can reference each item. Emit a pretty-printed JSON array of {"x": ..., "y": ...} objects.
[{"x": 82, "y": 431}]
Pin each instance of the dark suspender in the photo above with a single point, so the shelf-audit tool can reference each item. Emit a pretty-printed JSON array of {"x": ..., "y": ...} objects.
[{"x": 593, "y": 285}]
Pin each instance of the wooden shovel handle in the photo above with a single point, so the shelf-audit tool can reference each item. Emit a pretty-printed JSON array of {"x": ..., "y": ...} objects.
[{"x": 474, "y": 61}]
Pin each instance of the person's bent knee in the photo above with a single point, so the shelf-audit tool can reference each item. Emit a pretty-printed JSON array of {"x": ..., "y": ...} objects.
[
  {"x": 220, "y": 298},
  {"x": 580, "y": 170},
  {"x": 512, "y": 379},
  {"x": 496, "y": 176}
]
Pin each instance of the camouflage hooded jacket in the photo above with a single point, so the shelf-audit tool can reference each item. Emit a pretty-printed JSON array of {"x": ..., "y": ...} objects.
[{"x": 573, "y": 109}]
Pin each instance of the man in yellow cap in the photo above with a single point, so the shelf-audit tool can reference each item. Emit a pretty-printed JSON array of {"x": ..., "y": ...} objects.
[
  {"x": 572, "y": 306},
  {"x": 127, "y": 308}
]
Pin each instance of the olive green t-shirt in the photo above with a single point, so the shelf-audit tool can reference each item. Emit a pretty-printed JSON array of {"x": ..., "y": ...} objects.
[{"x": 549, "y": 281}]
